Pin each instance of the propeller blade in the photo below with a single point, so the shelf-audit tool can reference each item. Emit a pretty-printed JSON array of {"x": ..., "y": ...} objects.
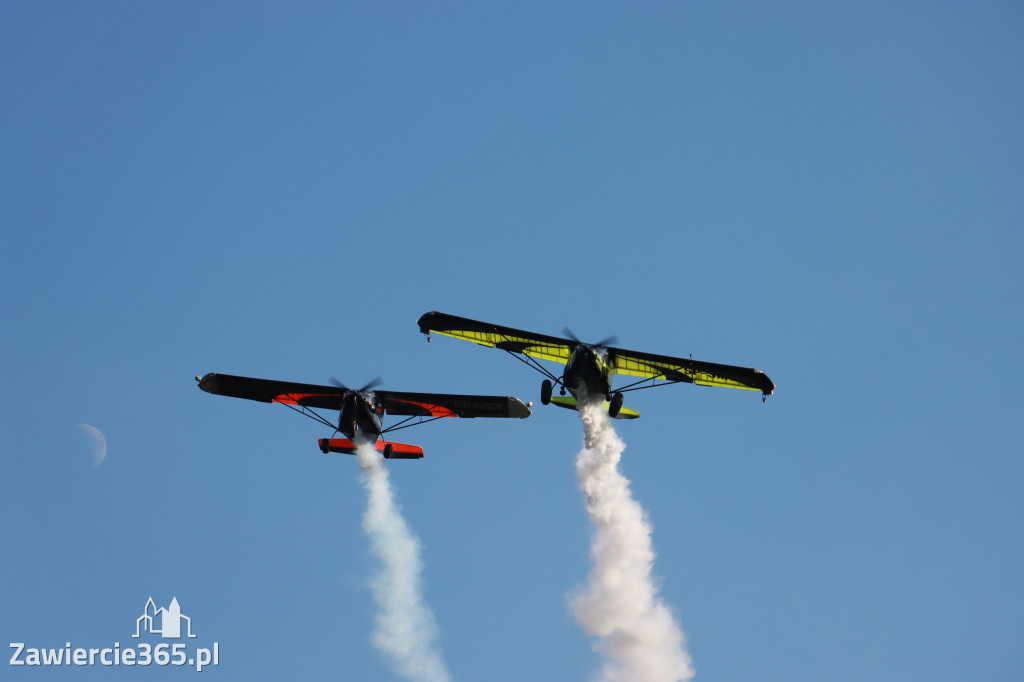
[
  {"x": 373, "y": 384},
  {"x": 567, "y": 333}
]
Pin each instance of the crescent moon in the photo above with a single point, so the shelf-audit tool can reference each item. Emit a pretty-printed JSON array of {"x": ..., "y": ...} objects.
[{"x": 97, "y": 443}]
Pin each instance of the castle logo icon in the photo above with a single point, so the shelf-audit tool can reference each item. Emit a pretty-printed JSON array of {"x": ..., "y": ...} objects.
[{"x": 164, "y": 622}]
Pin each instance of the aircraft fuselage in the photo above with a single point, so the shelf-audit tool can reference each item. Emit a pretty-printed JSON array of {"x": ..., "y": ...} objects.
[
  {"x": 589, "y": 372},
  {"x": 360, "y": 418}
]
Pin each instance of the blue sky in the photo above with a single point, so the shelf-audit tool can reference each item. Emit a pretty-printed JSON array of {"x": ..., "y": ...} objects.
[{"x": 828, "y": 193}]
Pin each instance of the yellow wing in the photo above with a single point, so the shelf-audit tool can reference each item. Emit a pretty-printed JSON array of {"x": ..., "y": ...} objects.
[
  {"x": 634, "y": 363},
  {"x": 506, "y": 338}
]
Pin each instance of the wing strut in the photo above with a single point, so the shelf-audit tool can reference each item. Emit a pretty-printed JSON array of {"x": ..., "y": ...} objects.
[
  {"x": 635, "y": 386},
  {"x": 404, "y": 425},
  {"x": 530, "y": 362},
  {"x": 315, "y": 416}
]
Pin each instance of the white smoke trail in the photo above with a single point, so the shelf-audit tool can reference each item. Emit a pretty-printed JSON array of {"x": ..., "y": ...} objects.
[
  {"x": 638, "y": 634},
  {"x": 405, "y": 629}
]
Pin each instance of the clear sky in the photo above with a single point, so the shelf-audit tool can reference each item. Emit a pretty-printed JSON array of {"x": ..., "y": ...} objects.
[{"x": 830, "y": 192}]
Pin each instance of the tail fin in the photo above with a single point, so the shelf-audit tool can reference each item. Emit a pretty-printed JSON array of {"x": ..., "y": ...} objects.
[
  {"x": 390, "y": 449},
  {"x": 569, "y": 403}
]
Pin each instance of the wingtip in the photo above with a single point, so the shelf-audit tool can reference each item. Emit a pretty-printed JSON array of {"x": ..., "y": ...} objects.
[
  {"x": 518, "y": 408},
  {"x": 207, "y": 382},
  {"x": 424, "y": 322}
]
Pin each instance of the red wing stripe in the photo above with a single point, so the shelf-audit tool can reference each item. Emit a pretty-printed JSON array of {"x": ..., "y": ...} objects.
[
  {"x": 294, "y": 398},
  {"x": 432, "y": 410}
]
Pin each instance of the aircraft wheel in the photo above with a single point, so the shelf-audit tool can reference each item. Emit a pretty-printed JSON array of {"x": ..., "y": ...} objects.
[
  {"x": 325, "y": 445},
  {"x": 615, "y": 406},
  {"x": 387, "y": 451},
  {"x": 545, "y": 392}
]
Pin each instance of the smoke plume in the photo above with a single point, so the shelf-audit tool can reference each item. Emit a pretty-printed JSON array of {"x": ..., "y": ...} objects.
[
  {"x": 405, "y": 630},
  {"x": 638, "y": 635}
]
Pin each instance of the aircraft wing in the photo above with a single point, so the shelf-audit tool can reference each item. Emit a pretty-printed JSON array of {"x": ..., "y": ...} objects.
[
  {"x": 395, "y": 402},
  {"x": 271, "y": 391},
  {"x": 447, "y": 405},
  {"x": 506, "y": 338},
  {"x": 637, "y": 364}
]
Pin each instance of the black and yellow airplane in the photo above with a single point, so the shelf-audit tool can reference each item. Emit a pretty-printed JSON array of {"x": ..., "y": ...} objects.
[
  {"x": 361, "y": 410},
  {"x": 591, "y": 368}
]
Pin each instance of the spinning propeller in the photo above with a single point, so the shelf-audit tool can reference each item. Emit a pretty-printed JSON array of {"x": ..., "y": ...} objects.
[
  {"x": 372, "y": 384},
  {"x": 604, "y": 343}
]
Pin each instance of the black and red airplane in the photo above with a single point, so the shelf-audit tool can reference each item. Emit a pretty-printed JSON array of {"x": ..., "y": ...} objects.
[
  {"x": 361, "y": 411},
  {"x": 591, "y": 368}
]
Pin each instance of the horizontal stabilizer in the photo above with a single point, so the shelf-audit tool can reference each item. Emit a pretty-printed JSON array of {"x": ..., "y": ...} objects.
[
  {"x": 569, "y": 403},
  {"x": 389, "y": 449}
]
